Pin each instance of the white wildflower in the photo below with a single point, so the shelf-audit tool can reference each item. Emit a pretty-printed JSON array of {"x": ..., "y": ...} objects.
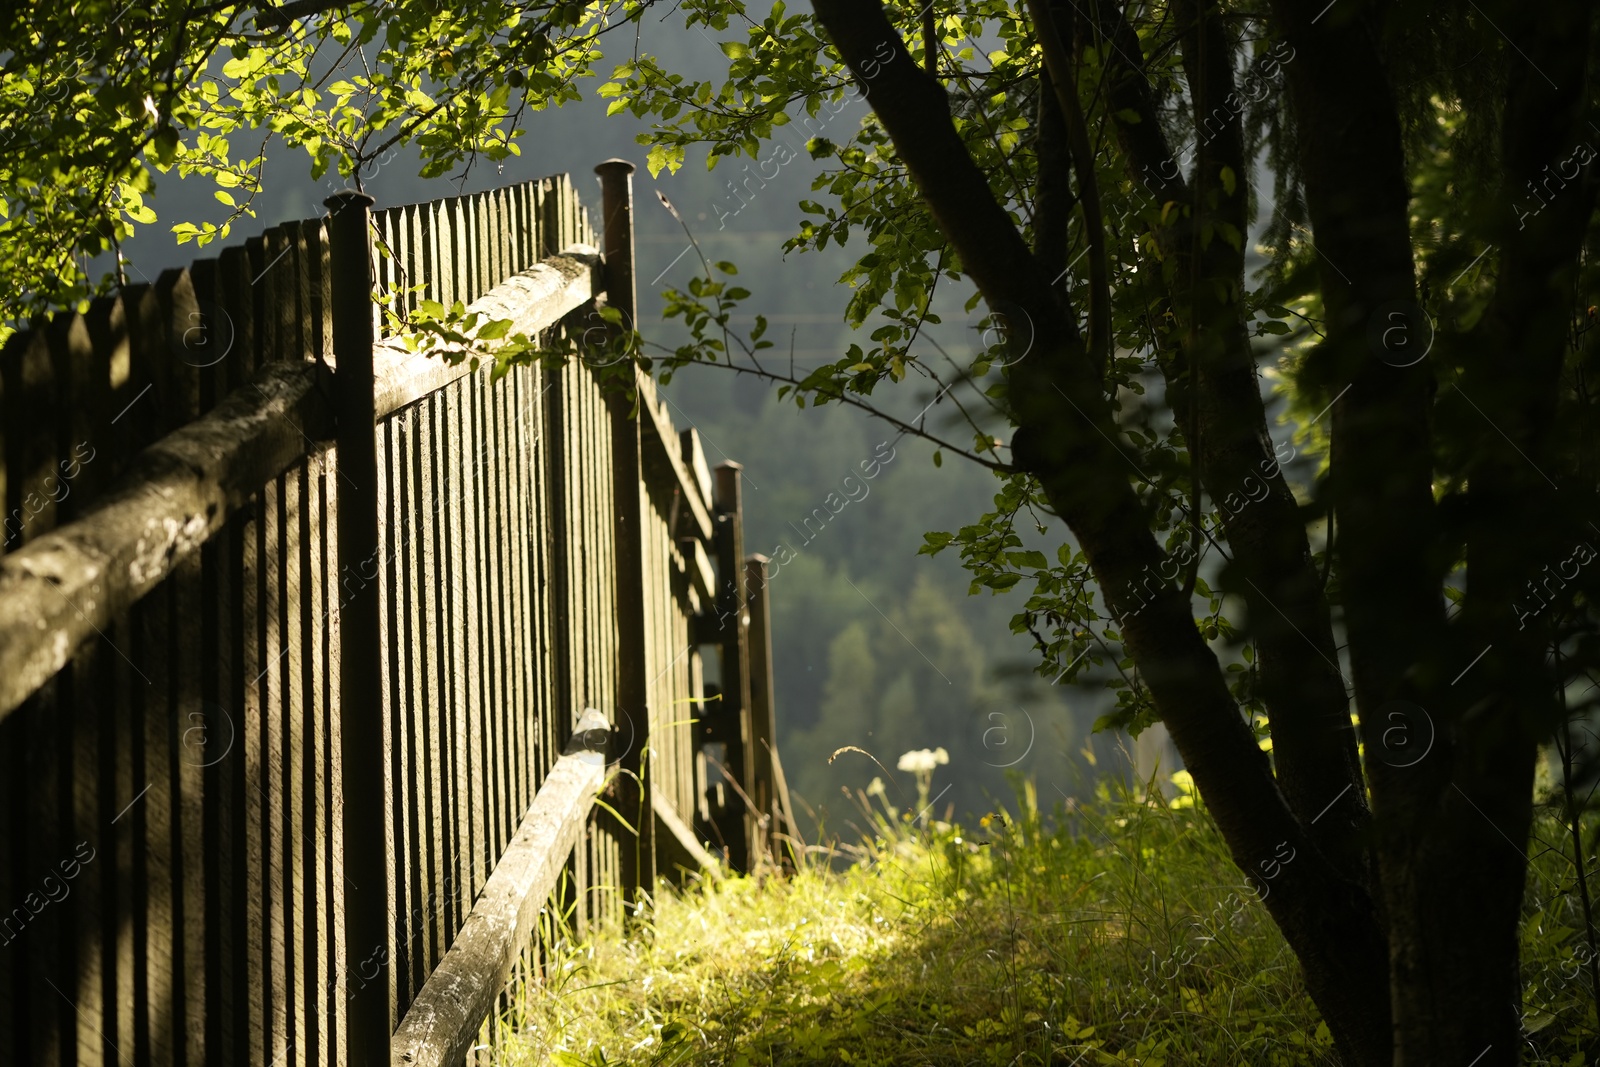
[{"x": 922, "y": 760}]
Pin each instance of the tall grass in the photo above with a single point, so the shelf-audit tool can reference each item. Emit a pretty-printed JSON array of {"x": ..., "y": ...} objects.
[{"x": 1116, "y": 930}]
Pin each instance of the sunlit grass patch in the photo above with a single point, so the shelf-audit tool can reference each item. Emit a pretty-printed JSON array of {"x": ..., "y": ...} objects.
[{"x": 1119, "y": 933}]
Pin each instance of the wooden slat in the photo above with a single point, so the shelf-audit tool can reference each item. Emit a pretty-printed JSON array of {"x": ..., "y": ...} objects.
[
  {"x": 495, "y": 530},
  {"x": 467, "y": 243},
  {"x": 222, "y": 652},
  {"x": 337, "y": 978},
  {"x": 255, "y": 304},
  {"x": 93, "y": 679},
  {"x": 318, "y": 587},
  {"x": 292, "y": 685},
  {"x": 407, "y": 902},
  {"x": 462, "y": 669},
  {"x": 476, "y": 693},
  {"x": 113, "y": 411},
  {"x": 256, "y": 680},
  {"x": 155, "y": 983},
  {"x": 277, "y": 905},
  {"x": 509, "y": 709},
  {"x": 432, "y": 709},
  {"x": 274, "y": 282},
  {"x": 518, "y": 386},
  {"x": 236, "y": 307},
  {"x": 443, "y": 712},
  {"x": 202, "y": 337},
  {"x": 30, "y": 458},
  {"x": 444, "y": 252},
  {"x": 319, "y": 309},
  {"x": 46, "y": 961},
  {"x": 383, "y": 572}
]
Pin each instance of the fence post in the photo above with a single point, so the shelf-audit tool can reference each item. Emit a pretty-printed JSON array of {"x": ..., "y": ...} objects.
[
  {"x": 771, "y": 792},
  {"x": 627, "y": 479},
  {"x": 731, "y": 724},
  {"x": 366, "y": 863},
  {"x": 616, "y": 210}
]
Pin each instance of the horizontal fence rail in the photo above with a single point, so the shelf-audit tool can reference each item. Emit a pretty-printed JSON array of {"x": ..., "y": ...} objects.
[{"x": 234, "y": 712}]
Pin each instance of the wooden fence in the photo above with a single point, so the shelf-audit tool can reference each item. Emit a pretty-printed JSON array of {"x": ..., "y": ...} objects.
[{"x": 297, "y": 631}]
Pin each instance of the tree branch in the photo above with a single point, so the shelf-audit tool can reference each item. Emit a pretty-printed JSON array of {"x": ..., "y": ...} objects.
[{"x": 1065, "y": 86}]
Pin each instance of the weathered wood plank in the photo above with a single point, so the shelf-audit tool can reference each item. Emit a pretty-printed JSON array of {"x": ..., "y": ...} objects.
[
  {"x": 694, "y": 458},
  {"x": 445, "y": 1018},
  {"x": 533, "y": 300},
  {"x": 701, "y": 574},
  {"x": 681, "y": 836},
  {"x": 663, "y": 457},
  {"x": 62, "y": 588}
]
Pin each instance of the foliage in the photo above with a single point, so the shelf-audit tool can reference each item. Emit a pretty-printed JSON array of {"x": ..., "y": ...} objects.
[
  {"x": 778, "y": 79},
  {"x": 102, "y": 97}
]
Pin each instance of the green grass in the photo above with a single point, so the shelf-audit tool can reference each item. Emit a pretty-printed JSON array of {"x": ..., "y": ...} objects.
[{"x": 1116, "y": 931}]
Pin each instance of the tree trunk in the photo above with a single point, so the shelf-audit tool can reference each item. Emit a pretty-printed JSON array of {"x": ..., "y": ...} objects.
[{"x": 1065, "y": 437}]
